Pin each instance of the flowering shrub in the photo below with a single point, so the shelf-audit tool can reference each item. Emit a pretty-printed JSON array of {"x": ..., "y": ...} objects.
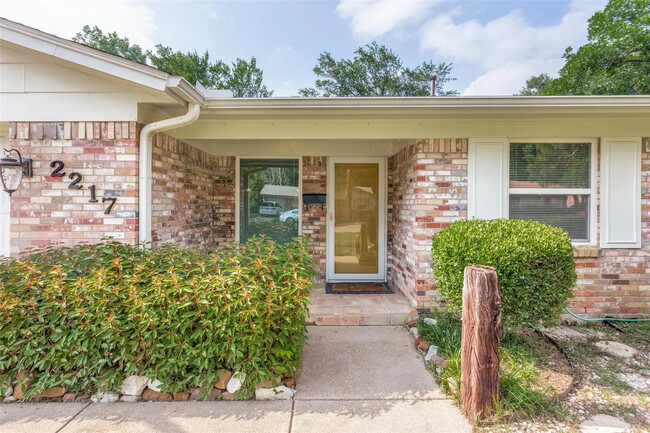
[{"x": 86, "y": 317}]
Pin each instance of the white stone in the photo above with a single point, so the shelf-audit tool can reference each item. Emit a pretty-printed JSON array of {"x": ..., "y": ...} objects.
[
  {"x": 134, "y": 385},
  {"x": 235, "y": 382},
  {"x": 433, "y": 350},
  {"x": 9, "y": 399},
  {"x": 604, "y": 424},
  {"x": 9, "y": 391},
  {"x": 129, "y": 398},
  {"x": 105, "y": 397},
  {"x": 617, "y": 349},
  {"x": 154, "y": 385},
  {"x": 415, "y": 332},
  {"x": 430, "y": 321},
  {"x": 277, "y": 393}
]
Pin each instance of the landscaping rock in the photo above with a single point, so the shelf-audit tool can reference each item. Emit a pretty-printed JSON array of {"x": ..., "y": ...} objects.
[
  {"x": 56, "y": 391},
  {"x": 181, "y": 396},
  {"x": 223, "y": 380},
  {"x": 636, "y": 381},
  {"x": 412, "y": 324},
  {"x": 9, "y": 391},
  {"x": 154, "y": 385},
  {"x": 235, "y": 382},
  {"x": 269, "y": 383},
  {"x": 105, "y": 397},
  {"x": 277, "y": 393},
  {"x": 19, "y": 390},
  {"x": 165, "y": 396},
  {"x": 430, "y": 321},
  {"x": 80, "y": 398},
  {"x": 129, "y": 398},
  {"x": 604, "y": 424},
  {"x": 564, "y": 333},
  {"x": 151, "y": 395},
  {"x": 433, "y": 350},
  {"x": 228, "y": 396},
  {"x": 438, "y": 359},
  {"x": 214, "y": 393},
  {"x": 69, "y": 397},
  {"x": 134, "y": 385},
  {"x": 195, "y": 394},
  {"x": 414, "y": 331},
  {"x": 423, "y": 345},
  {"x": 9, "y": 399},
  {"x": 617, "y": 349},
  {"x": 290, "y": 382}
]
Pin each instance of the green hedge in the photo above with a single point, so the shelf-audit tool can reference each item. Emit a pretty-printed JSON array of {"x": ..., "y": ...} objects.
[
  {"x": 534, "y": 264},
  {"x": 88, "y": 316}
]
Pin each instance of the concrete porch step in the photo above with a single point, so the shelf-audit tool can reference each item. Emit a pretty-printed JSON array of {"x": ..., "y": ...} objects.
[{"x": 358, "y": 309}]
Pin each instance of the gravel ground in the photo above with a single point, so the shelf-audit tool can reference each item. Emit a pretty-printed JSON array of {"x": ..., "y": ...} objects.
[{"x": 604, "y": 383}]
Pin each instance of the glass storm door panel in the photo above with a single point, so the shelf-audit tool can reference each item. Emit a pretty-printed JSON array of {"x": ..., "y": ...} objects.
[{"x": 357, "y": 222}]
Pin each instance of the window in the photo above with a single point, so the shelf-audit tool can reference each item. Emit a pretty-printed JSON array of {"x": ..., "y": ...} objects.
[
  {"x": 269, "y": 198},
  {"x": 552, "y": 183}
]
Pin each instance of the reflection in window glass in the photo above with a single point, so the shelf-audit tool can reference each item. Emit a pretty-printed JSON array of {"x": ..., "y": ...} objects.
[
  {"x": 269, "y": 199},
  {"x": 549, "y": 165}
]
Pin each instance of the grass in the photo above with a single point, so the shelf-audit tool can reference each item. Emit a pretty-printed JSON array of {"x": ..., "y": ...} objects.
[{"x": 518, "y": 373}]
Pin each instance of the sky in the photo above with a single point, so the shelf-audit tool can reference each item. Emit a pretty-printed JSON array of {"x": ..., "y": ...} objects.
[{"x": 494, "y": 45}]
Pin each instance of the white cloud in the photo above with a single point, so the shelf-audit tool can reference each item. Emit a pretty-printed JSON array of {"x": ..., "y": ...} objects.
[
  {"x": 507, "y": 48},
  {"x": 509, "y": 78},
  {"x": 372, "y": 18},
  {"x": 65, "y": 18}
]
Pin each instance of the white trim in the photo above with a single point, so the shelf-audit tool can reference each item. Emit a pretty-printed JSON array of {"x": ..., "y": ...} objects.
[
  {"x": 238, "y": 189},
  {"x": 382, "y": 253},
  {"x": 633, "y": 220},
  {"x": 592, "y": 192}
]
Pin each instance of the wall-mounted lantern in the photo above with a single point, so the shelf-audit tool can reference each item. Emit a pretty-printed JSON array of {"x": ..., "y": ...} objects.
[{"x": 12, "y": 170}]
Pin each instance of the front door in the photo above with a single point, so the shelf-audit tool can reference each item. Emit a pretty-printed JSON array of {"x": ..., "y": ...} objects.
[{"x": 356, "y": 228}]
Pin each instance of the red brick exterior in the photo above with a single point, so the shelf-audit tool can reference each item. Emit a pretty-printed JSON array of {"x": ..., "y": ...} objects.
[
  {"x": 46, "y": 210},
  {"x": 314, "y": 217},
  {"x": 427, "y": 192},
  {"x": 193, "y": 195},
  {"x": 194, "y": 203}
]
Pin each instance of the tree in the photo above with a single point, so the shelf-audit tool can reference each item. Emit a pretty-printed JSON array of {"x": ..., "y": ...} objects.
[
  {"x": 616, "y": 58},
  {"x": 376, "y": 70},
  {"x": 535, "y": 85},
  {"x": 243, "y": 77},
  {"x": 110, "y": 43}
]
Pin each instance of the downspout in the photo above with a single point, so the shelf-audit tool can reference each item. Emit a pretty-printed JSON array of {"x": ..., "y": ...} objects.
[{"x": 145, "y": 170}]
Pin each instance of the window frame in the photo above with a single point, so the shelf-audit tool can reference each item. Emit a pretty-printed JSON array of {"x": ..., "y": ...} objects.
[
  {"x": 238, "y": 189},
  {"x": 592, "y": 191}
]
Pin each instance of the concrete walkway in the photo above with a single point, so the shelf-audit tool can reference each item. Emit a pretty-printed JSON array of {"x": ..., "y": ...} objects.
[{"x": 354, "y": 379}]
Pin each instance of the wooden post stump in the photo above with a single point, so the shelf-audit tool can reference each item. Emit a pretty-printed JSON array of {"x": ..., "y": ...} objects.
[{"x": 479, "y": 380}]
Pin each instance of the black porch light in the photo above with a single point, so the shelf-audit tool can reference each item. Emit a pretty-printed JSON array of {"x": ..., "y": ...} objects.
[{"x": 12, "y": 170}]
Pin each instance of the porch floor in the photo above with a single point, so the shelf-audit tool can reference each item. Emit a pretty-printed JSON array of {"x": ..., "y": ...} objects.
[{"x": 366, "y": 309}]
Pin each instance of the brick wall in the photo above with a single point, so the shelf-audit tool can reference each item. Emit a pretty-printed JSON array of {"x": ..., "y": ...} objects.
[
  {"x": 428, "y": 191},
  {"x": 46, "y": 210},
  {"x": 314, "y": 219},
  {"x": 193, "y": 195},
  {"x": 617, "y": 281}
]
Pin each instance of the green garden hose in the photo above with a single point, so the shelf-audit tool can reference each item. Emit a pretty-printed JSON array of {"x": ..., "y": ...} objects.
[{"x": 606, "y": 319}]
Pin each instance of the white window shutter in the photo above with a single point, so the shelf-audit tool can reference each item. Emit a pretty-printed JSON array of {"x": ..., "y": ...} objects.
[
  {"x": 5, "y": 221},
  {"x": 620, "y": 189},
  {"x": 487, "y": 187}
]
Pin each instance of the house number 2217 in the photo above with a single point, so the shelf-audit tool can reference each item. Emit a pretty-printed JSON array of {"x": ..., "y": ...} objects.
[{"x": 76, "y": 178}]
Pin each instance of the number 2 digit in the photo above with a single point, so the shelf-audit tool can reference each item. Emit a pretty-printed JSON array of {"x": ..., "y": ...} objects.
[
  {"x": 57, "y": 171},
  {"x": 77, "y": 178}
]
